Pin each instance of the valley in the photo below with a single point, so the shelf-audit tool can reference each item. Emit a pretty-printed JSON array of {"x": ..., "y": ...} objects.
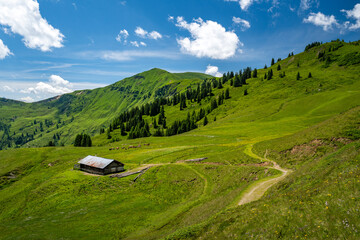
[{"x": 282, "y": 158}]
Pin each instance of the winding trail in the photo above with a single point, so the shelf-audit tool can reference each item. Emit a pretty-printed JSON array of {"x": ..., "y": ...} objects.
[{"x": 257, "y": 190}]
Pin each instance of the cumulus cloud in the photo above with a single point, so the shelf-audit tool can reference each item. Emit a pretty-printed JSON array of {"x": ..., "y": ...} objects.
[
  {"x": 24, "y": 18},
  {"x": 55, "y": 85},
  {"x": 353, "y": 14},
  {"x": 4, "y": 50},
  {"x": 208, "y": 39},
  {"x": 141, "y": 32},
  {"x": 154, "y": 35},
  {"x": 244, "y": 25},
  {"x": 145, "y": 34},
  {"x": 122, "y": 36},
  {"x": 213, "y": 70},
  {"x": 244, "y": 4},
  {"x": 143, "y": 44},
  {"x": 321, "y": 20}
]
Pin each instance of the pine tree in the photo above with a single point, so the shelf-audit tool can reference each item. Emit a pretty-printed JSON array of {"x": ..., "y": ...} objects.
[
  {"x": 245, "y": 92},
  {"x": 215, "y": 119},
  {"x": 272, "y": 61},
  {"x": 254, "y": 73},
  {"x": 237, "y": 82},
  {"x": 310, "y": 76},
  {"x": 205, "y": 121},
  {"x": 108, "y": 133},
  {"x": 298, "y": 76},
  {"x": 265, "y": 67},
  {"x": 227, "y": 93},
  {"x": 231, "y": 82},
  {"x": 279, "y": 67},
  {"x": 220, "y": 85},
  {"x": 78, "y": 139},
  {"x": 213, "y": 104}
]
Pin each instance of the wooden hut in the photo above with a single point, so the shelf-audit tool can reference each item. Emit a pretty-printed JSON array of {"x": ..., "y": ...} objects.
[{"x": 98, "y": 165}]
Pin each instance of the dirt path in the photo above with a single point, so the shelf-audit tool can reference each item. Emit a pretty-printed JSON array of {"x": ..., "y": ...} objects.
[{"x": 258, "y": 189}]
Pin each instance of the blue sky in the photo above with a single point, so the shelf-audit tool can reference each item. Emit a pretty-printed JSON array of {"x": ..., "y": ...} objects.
[{"x": 51, "y": 47}]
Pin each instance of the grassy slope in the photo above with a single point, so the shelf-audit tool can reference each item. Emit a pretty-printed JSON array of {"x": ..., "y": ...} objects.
[
  {"x": 90, "y": 109},
  {"x": 198, "y": 200}
]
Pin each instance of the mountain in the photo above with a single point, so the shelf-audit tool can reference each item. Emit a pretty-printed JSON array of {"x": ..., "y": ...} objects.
[
  {"x": 287, "y": 144},
  {"x": 85, "y": 110}
]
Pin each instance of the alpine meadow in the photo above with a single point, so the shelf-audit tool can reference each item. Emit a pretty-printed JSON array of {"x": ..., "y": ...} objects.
[{"x": 252, "y": 149}]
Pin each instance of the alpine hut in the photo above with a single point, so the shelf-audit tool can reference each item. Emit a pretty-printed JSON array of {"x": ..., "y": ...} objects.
[{"x": 98, "y": 165}]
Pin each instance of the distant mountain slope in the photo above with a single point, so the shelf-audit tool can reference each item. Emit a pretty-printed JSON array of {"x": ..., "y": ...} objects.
[{"x": 86, "y": 110}]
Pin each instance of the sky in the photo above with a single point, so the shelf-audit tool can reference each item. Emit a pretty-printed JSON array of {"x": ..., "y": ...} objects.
[{"x": 52, "y": 47}]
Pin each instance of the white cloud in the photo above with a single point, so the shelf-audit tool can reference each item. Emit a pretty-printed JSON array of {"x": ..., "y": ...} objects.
[
  {"x": 27, "y": 99},
  {"x": 208, "y": 39},
  {"x": 170, "y": 18},
  {"x": 154, "y": 35},
  {"x": 143, "y": 44},
  {"x": 4, "y": 50},
  {"x": 6, "y": 30},
  {"x": 56, "y": 85},
  {"x": 213, "y": 70},
  {"x": 244, "y": 4},
  {"x": 7, "y": 89},
  {"x": 355, "y": 14},
  {"x": 321, "y": 20},
  {"x": 134, "y": 43},
  {"x": 141, "y": 32},
  {"x": 307, "y": 4},
  {"x": 132, "y": 55},
  {"x": 122, "y": 36},
  {"x": 242, "y": 22},
  {"x": 145, "y": 34},
  {"x": 24, "y": 18}
]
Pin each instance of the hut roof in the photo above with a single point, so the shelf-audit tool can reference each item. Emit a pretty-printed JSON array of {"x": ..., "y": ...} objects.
[{"x": 97, "y": 162}]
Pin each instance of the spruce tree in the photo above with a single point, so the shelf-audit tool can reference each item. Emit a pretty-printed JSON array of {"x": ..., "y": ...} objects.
[
  {"x": 298, "y": 76},
  {"x": 205, "y": 121},
  {"x": 310, "y": 76},
  {"x": 265, "y": 67},
  {"x": 272, "y": 61},
  {"x": 77, "y": 142},
  {"x": 245, "y": 92},
  {"x": 254, "y": 73},
  {"x": 279, "y": 67},
  {"x": 227, "y": 93}
]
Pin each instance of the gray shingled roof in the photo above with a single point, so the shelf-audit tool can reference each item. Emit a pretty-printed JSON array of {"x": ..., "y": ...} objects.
[{"x": 97, "y": 162}]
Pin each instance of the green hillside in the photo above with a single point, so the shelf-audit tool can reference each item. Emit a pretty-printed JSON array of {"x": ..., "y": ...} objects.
[
  {"x": 86, "y": 110},
  {"x": 308, "y": 124}
]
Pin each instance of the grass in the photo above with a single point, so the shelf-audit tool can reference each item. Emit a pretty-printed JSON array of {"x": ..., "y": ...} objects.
[{"x": 310, "y": 126}]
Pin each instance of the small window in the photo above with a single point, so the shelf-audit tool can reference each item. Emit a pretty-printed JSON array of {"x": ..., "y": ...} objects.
[{"x": 113, "y": 169}]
